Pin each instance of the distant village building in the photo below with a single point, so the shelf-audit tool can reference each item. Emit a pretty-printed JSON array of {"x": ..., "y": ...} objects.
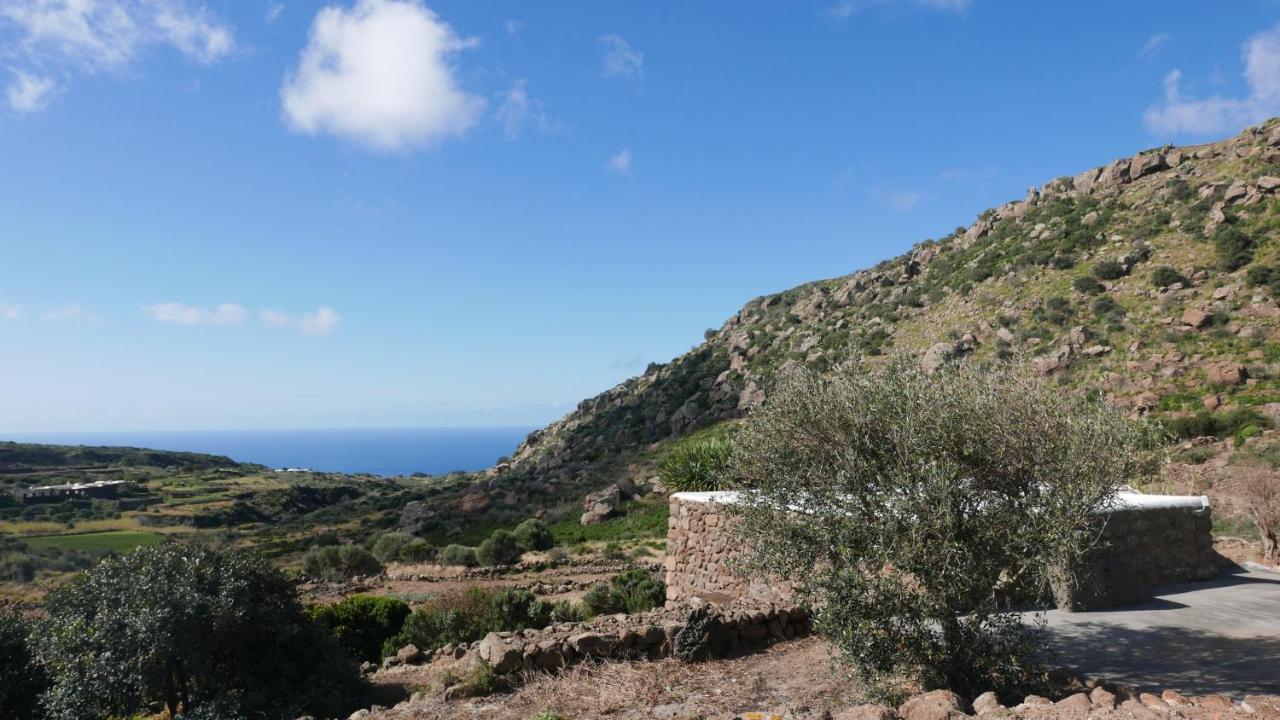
[{"x": 98, "y": 489}]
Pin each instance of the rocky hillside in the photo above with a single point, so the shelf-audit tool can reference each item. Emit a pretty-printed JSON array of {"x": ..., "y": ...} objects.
[{"x": 1151, "y": 280}]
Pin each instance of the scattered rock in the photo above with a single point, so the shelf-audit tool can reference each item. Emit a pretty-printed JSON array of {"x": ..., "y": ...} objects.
[
  {"x": 1078, "y": 703},
  {"x": 987, "y": 703},
  {"x": 936, "y": 705},
  {"x": 866, "y": 712},
  {"x": 409, "y": 654},
  {"x": 1195, "y": 317},
  {"x": 1102, "y": 698}
]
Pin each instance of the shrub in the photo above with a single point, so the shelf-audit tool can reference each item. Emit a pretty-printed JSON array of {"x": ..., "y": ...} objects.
[
  {"x": 1164, "y": 276},
  {"x": 1056, "y": 311},
  {"x": 417, "y": 550},
  {"x": 697, "y": 466},
  {"x": 1109, "y": 270},
  {"x": 362, "y": 623},
  {"x": 476, "y": 682},
  {"x": 469, "y": 616},
  {"x": 17, "y": 567},
  {"x": 929, "y": 500},
  {"x": 632, "y": 591},
  {"x": 1088, "y": 285},
  {"x": 458, "y": 555},
  {"x": 340, "y": 562},
  {"x": 500, "y": 548},
  {"x": 1233, "y": 247},
  {"x": 21, "y": 679},
  {"x": 1267, "y": 276},
  {"x": 1219, "y": 424},
  {"x": 387, "y": 547},
  {"x": 196, "y": 629},
  {"x": 1261, "y": 495},
  {"x": 564, "y": 611},
  {"x": 533, "y": 534}
]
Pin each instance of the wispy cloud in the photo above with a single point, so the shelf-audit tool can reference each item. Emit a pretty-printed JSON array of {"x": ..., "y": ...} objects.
[
  {"x": 847, "y": 8},
  {"x": 1153, "y": 44},
  {"x": 380, "y": 74},
  {"x": 621, "y": 162},
  {"x": 323, "y": 321},
  {"x": 898, "y": 200},
  {"x": 621, "y": 61},
  {"x": 274, "y": 11},
  {"x": 513, "y": 27},
  {"x": 1216, "y": 114},
  {"x": 517, "y": 111},
  {"x": 66, "y": 312},
  {"x": 175, "y": 313},
  {"x": 51, "y": 41}
]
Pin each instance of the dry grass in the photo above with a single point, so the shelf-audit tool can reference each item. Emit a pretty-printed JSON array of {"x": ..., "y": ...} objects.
[{"x": 791, "y": 675}]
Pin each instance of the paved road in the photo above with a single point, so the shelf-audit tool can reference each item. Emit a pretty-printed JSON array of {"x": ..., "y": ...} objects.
[{"x": 1217, "y": 636}]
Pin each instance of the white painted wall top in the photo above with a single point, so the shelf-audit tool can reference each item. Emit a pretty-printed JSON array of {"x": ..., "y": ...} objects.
[{"x": 1124, "y": 500}]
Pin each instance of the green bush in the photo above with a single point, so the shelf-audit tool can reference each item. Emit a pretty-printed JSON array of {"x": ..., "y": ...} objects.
[
  {"x": 1088, "y": 285},
  {"x": 340, "y": 562},
  {"x": 1109, "y": 270},
  {"x": 458, "y": 555},
  {"x": 1267, "y": 276},
  {"x": 698, "y": 466},
  {"x": 201, "y": 631},
  {"x": 500, "y": 548},
  {"x": 480, "y": 680},
  {"x": 533, "y": 534},
  {"x": 1220, "y": 424},
  {"x": 21, "y": 678},
  {"x": 632, "y": 591},
  {"x": 1164, "y": 276},
  {"x": 417, "y": 550},
  {"x": 1233, "y": 247},
  {"x": 564, "y": 611},
  {"x": 469, "y": 616},
  {"x": 387, "y": 547},
  {"x": 362, "y": 623}
]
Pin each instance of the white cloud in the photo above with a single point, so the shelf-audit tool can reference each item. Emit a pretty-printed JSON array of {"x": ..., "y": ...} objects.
[
  {"x": 68, "y": 312},
  {"x": 9, "y": 311},
  {"x": 517, "y": 110},
  {"x": 621, "y": 61},
  {"x": 274, "y": 11},
  {"x": 321, "y": 322},
  {"x": 513, "y": 27},
  {"x": 65, "y": 37},
  {"x": 30, "y": 93},
  {"x": 846, "y": 8},
  {"x": 1153, "y": 45},
  {"x": 273, "y": 318},
  {"x": 621, "y": 163},
  {"x": 1217, "y": 114},
  {"x": 181, "y": 314},
  {"x": 380, "y": 75}
]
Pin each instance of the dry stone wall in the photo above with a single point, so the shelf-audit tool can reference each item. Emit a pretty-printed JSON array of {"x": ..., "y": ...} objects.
[
  {"x": 702, "y": 555},
  {"x": 1139, "y": 550}
]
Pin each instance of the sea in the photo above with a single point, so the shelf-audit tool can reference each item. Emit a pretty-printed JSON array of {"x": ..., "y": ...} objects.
[{"x": 382, "y": 451}]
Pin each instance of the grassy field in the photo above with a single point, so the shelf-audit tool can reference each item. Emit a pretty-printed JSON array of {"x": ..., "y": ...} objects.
[{"x": 115, "y": 541}]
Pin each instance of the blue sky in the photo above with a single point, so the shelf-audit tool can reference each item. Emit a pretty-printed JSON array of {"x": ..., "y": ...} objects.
[{"x": 243, "y": 214}]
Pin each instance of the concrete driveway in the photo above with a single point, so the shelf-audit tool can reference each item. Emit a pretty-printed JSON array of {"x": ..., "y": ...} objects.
[{"x": 1217, "y": 636}]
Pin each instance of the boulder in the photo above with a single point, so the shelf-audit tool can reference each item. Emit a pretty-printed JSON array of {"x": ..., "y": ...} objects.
[
  {"x": 601, "y": 504},
  {"x": 1077, "y": 704},
  {"x": 409, "y": 654},
  {"x": 1196, "y": 317},
  {"x": 1226, "y": 372},
  {"x": 1268, "y": 183},
  {"x": 1235, "y": 193},
  {"x": 1102, "y": 698},
  {"x": 499, "y": 653},
  {"x": 936, "y": 705},
  {"x": 988, "y": 703},
  {"x": 1146, "y": 164},
  {"x": 475, "y": 502}
]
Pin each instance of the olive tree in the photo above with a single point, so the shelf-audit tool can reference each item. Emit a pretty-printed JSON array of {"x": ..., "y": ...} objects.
[
  {"x": 204, "y": 632},
  {"x": 911, "y": 507},
  {"x": 21, "y": 679}
]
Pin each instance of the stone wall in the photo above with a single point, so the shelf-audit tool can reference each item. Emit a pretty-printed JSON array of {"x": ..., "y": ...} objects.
[
  {"x": 1141, "y": 549},
  {"x": 1151, "y": 541},
  {"x": 701, "y": 555},
  {"x": 700, "y": 632}
]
